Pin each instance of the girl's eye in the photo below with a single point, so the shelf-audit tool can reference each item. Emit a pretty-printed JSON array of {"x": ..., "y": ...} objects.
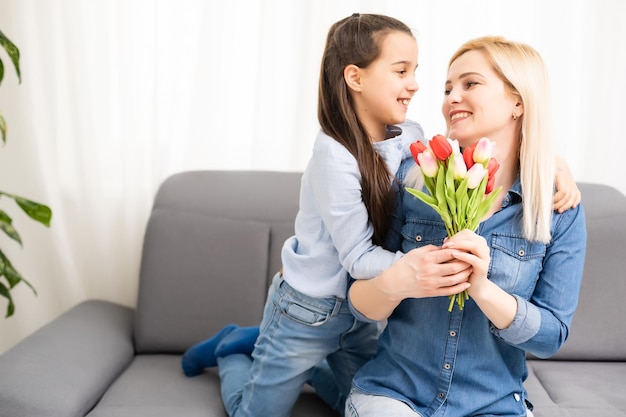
[
  {"x": 402, "y": 72},
  {"x": 470, "y": 84},
  {"x": 446, "y": 92}
]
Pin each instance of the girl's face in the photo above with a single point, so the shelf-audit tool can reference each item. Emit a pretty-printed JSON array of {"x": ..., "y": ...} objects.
[
  {"x": 477, "y": 104},
  {"x": 387, "y": 85}
]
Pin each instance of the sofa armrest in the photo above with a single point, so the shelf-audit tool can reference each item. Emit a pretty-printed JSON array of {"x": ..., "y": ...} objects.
[{"x": 64, "y": 368}]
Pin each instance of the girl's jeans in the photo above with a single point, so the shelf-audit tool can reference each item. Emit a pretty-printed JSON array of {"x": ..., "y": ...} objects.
[{"x": 302, "y": 339}]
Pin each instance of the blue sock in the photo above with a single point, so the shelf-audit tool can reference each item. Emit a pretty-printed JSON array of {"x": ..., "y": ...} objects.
[
  {"x": 240, "y": 340},
  {"x": 202, "y": 355}
]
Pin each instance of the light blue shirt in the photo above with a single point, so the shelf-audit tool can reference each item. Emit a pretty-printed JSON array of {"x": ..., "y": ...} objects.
[
  {"x": 333, "y": 234},
  {"x": 457, "y": 363}
]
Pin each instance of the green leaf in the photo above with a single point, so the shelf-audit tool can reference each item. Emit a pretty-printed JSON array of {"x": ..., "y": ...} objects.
[
  {"x": 14, "y": 54},
  {"x": 6, "y": 225},
  {"x": 3, "y": 128},
  {"x": 36, "y": 211},
  {"x": 11, "y": 274},
  {"x": 462, "y": 200},
  {"x": 450, "y": 192},
  {"x": 426, "y": 198},
  {"x": 4, "y": 291},
  {"x": 484, "y": 207}
]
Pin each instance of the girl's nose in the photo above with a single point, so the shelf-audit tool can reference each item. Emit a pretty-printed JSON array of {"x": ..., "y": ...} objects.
[{"x": 413, "y": 86}]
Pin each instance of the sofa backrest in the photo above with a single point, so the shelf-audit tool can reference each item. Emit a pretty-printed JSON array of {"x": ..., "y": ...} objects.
[
  {"x": 211, "y": 246},
  {"x": 213, "y": 242},
  {"x": 598, "y": 330}
]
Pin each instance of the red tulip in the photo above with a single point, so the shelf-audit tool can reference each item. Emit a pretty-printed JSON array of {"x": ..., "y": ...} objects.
[
  {"x": 440, "y": 147},
  {"x": 416, "y": 149},
  {"x": 492, "y": 167},
  {"x": 491, "y": 182},
  {"x": 468, "y": 156}
]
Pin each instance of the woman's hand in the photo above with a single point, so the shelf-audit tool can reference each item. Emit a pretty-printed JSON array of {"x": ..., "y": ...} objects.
[
  {"x": 499, "y": 306},
  {"x": 472, "y": 249}
]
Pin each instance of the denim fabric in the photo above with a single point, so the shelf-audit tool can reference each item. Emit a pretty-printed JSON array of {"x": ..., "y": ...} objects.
[
  {"x": 297, "y": 333},
  {"x": 458, "y": 363},
  {"x": 367, "y": 405}
]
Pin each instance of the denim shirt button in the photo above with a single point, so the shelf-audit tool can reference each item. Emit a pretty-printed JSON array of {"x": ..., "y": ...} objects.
[
  {"x": 452, "y": 333},
  {"x": 418, "y": 238},
  {"x": 447, "y": 366},
  {"x": 440, "y": 395},
  {"x": 516, "y": 396},
  {"x": 521, "y": 252}
]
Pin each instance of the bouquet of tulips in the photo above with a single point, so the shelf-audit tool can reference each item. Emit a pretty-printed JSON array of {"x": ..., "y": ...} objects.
[{"x": 460, "y": 185}]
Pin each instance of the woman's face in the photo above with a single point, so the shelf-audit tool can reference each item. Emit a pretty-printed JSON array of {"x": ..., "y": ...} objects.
[{"x": 476, "y": 102}]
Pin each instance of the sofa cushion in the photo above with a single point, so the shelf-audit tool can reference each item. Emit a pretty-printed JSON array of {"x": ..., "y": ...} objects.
[
  {"x": 594, "y": 335},
  {"x": 577, "y": 389},
  {"x": 196, "y": 274}
]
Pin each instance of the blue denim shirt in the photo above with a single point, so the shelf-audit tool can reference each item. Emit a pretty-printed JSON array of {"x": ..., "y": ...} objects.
[{"x": 458, "y": 364}]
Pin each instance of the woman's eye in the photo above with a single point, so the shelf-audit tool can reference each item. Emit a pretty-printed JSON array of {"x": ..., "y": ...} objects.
[
  {"x": 446, "y": 92},
  {"x": 470, "y": 84}
]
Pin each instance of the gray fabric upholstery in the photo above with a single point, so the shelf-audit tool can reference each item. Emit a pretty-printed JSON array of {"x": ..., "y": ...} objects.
[
  {"x": 211, "y": 246},
  {"x": 587, "y": 377},
  {"x": 62, "y": 369}
]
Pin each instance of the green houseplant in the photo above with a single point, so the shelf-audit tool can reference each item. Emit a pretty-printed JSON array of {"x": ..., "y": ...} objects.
[{"x": 9, "y": 276}]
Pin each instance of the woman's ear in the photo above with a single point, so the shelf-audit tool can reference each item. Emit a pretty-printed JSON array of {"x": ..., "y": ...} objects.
[
  {"x": 519, "y": 109},
  {"x": 352, "y": 75}
]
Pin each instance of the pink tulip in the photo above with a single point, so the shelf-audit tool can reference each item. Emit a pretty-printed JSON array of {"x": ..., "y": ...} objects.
[
  {"x": 483, "y": 150},
  {"x": 428, "y": 163},
  {"x": 475, "y": 175},
  {"x": 456, "y": 148},
  {"x": 460, "y": 170}
]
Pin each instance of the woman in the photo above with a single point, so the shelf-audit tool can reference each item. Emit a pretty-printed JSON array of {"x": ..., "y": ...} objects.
[{"x": 526, "y": 260}]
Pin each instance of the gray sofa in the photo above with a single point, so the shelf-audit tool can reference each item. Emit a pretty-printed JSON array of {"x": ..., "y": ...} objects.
[{"x": 211, "y": 246}]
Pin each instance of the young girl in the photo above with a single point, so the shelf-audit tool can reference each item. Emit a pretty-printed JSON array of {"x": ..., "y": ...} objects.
[
  {"x": 366, "y": 83},
  {"x": 526, "y": 260}
]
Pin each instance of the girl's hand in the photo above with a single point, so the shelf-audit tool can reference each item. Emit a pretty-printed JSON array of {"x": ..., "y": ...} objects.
[
  {"x": 428, "y": 271},
  {"x": 567, "y": 193}
]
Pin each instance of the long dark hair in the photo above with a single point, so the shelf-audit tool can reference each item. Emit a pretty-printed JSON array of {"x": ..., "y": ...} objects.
[{"x": 357, "y": 40}]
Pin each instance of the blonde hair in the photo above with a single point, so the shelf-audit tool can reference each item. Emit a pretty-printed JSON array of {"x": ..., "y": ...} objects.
[{"x": 523, "y": 72}]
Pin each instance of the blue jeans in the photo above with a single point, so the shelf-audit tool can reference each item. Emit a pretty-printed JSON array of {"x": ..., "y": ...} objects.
[
  {"x": 366, "y": 405},
  {"x": 297, "y": 334}
]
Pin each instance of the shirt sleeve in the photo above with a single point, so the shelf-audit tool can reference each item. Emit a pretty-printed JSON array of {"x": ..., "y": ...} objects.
[
  {"x": 542, "y": 323},
  {"x": 336, "y": 188}
]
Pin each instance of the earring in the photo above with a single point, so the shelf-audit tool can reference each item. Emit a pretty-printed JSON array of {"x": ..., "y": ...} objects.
[{"x": 514, "y": 116}]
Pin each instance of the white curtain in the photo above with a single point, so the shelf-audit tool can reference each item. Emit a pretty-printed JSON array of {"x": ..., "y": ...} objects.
[{"x": 118, "y": 94}]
